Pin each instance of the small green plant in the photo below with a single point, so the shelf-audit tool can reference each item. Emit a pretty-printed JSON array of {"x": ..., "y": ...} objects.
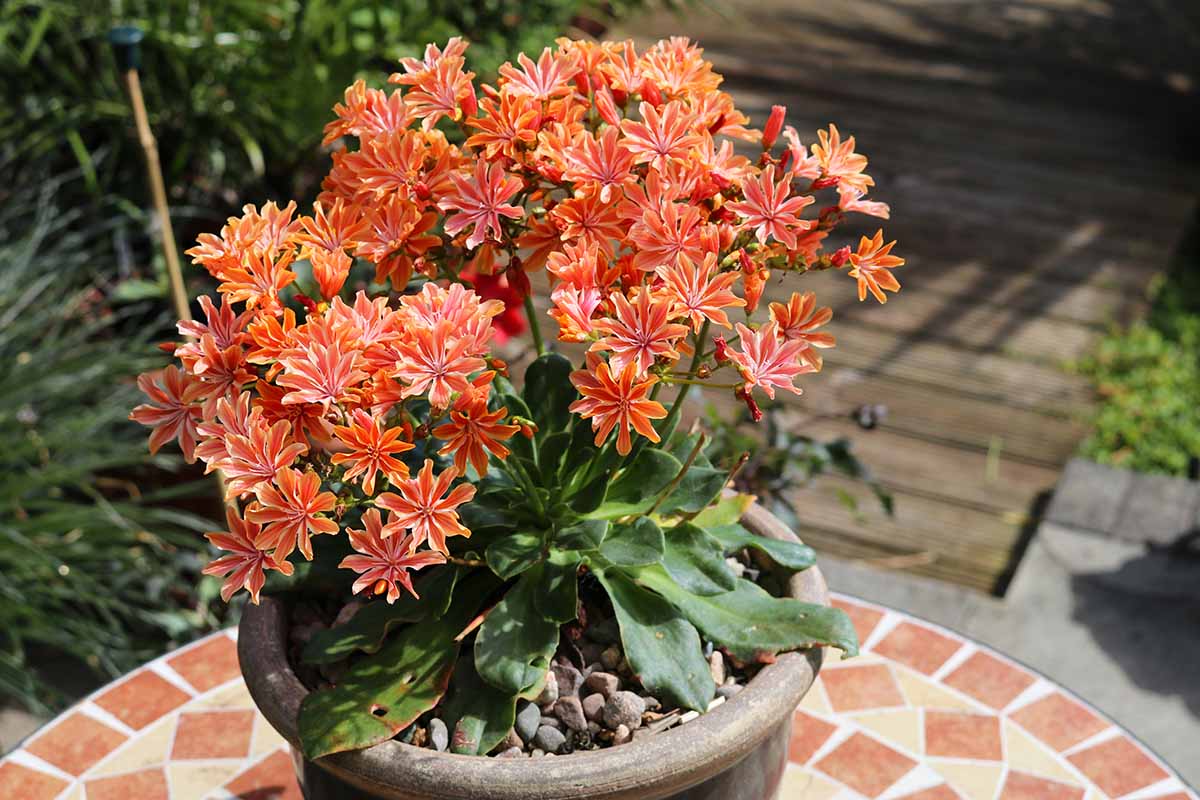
[{"x": 1148, "y": 376}]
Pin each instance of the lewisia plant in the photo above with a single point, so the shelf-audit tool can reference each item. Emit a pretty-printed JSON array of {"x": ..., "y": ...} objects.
[{"x": 345, "y": 388}]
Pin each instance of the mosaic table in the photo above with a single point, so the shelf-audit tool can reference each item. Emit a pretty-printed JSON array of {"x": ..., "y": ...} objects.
[{"x": 923, "y": 714}]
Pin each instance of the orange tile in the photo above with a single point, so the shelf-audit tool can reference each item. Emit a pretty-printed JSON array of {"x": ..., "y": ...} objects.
[
  {"x": 917, "y": 646},
  {"x": 940, "y": 792},
  {"x": 861, "y": 688},
  {"x": 953, "y": 734},
  {"x": 864, "y": 619},
  {"x": 149, "y": 784},
  {"x": 213, "y": 734},
  {"x": 273, "y": 778},
  {"x": 17, "y": 780},
  {"x": 808, "y": 734},
  {"x": 1020, "y": 786},
  {"x": 1172, "y": 796},
  {"x": 989, "y": 680},
  {"x": 208, "y": 664},
  {"x": 75, "y": 743},
  {"x": 1058, "y": 721},
  {"x": 142, "y": 698},
  {"x": 1117, "y": 766},
  {"x": 865, "y": 765}
]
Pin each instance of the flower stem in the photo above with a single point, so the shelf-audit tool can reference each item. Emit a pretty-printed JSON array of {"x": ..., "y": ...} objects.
[
  {"x": 697, "y": 359},
  {"x": 535, "y": 327}
]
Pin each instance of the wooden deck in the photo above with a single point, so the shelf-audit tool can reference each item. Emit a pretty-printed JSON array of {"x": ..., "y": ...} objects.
[{"x": 1036, "y": 158}]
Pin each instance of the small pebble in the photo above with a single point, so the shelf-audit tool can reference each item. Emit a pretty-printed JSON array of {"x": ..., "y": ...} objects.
[
  {"x": 511, "y": 752},
  {"x": 529, "y": 717},
  {"x": 610, "y": 657},
  {"x": 549, "y": 691},
  {"x": 439, "y": 737},
  {"x": 728, "y": 691},
  {"x": 624, "y": 708},
  {"x": 594, "y": 728},
  {"x": 549, "y": 739},
  {"x": 570, "y": 711},
  {"x": 552, "y": 721},
  {"x": 537, "y": 753},
  {"x": 513, "y": 739},
  {"x": 622, "y": 735},
  {"x": 603, "y": 682},
  {"x": 735, "y": 566},
  {"x": 652, "y": 703},
  {"x": 708, "y": 649},
  {"x": 568, "y": 678},
  {"x": 591, "y": 651},
  {"x": 593, "y": 706},
  {"x": 716, "y": 665}
]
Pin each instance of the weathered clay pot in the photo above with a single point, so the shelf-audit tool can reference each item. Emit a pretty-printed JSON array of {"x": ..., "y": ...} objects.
[{"x": 737, "y": 751}]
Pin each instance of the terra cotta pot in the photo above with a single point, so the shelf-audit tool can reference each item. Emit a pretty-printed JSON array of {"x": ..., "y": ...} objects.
[{"x": 737, "y": 751}]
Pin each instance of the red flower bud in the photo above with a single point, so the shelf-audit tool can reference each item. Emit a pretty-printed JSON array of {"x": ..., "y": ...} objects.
[
  {"x": 773, "y": 127},
  {"x": 744, "y": 395},
  {"x": 718, "y": 123},
  {"x": 309, "y": 304},
  {"x": 469, "y": 103},
  {"x": 651, "y": 93},
  {"x": 744, "y": 260},
  {"x": 839, "y": 258},
  {"x": 721, "y": 350},
  {"x": 168, "y": 347},
  {"x": 620, "y": 96},
  {"x": 582, "y": 85},
  {"x": 421, "y": 190},
  {"x": 518, "y": 281},
  {"x": 824, "y": 183}
]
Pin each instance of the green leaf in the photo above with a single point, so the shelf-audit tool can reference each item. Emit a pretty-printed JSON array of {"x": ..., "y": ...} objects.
[
  {"x": 550, "y": 455},
  {"x": 634, "y": 544},
  {"x": 791, "y": 555},
  {"x": 697, "y": 561},
  {"x": 514, "y": 554},
  {"x": 557, "y": 598},
  {"x": 698, "y": 489},
  {"x": 662, "y": 647},
  {"x": 367, "y": 629},
  {"x": 581, "y": 451},
  {"x": 515, "y": 643},
  {"x": 726, "y": 511},
  {"x": 584, "y": 535},
  {"x": 384, "y": 693},
  {"x": 639, "y": 485},
  {"x": 591, "y": 497},
  {"x": 548, "y": 391},
  {"x": 478, "y": 714},
  {"x": 750, "y": 623}
]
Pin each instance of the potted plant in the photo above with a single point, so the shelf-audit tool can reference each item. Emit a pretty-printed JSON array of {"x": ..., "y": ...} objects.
[{"x": 554, "y": 574}]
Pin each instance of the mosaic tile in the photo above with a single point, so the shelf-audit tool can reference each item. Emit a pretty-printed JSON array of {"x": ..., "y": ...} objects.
[
  {"x": 149, "y": 784},
  {"x": 954, "y": 734},
  {"x": 917, "y": 646},
  {"x": 922, "y": 692},
  {"x": 973, "y": 781},
  {"x": 1117, "y": 766},
  {"x": 207, "y": 664},
  {"x": 149, "y": 748},
  {"x": 1023, "y": 752},
  {"x": 235, "y": 695},
  {"x": 75, "y": 743},
  {"x": 198, "y": 781},
  {"x": 864, "y": 619},
  {"x": 808, "y": 734},
  {"x": 815, "y": 700},
  {"x": 989, "y": 680},
  {"x": 940, "y": 792},
  {"x": 1058, "y": 721},
  {"x": 273, "y": 778},
  {"x": 802, "y": 783},
  {"x": 901, "y": 728},
  {"x": 213, "y": 734},
  {"x": 1020, "y": 786},
  {"x": 861, "y": 687},
  {"x": 17, "y": 780},
  {"x": 865, "y": 765},
  {"x": 142, "y": 698}
]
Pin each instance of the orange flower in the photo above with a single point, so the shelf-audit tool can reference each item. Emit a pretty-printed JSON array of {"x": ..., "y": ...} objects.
[
  {"x": 292, "y": 509},
  {"x": 768, "y": 361},
  {"x": 589, "y": 221},
  {"x": 549, "y": 77},
  {"x": 172, "y": 411},
  {"x": 871, "y": 265},
  {"x": 247, "y": 562},
  {"x": 396, "y": 234},
  {"x": 384, "y": 556},
  {"x": 603, "y": 162},
  {"x": 436, "y": 362},
  {"x": 798, "y": 320},
  {"x": 335, "y": 230},
  {"x": 330, "y": 268},
  {"x": 307, "y": 419},
  {"x": 258, "y": 281},
  {"x": 839, "y": 161},
  {"x": 661, "y": 137},
  {"x": 424, "y": 507},
  {"x": 372, "y": 449},
  {"x": 321, "y": 374},
  {"x": 697, "y": 292},
  {"x": 256, "y": 457},
  {"x": 505, "y": 128},
  {"x": 366, "y": 113},
  {"x": 618, "y": 402},
  {"x": 481, "y": 202},
  {"x": 768, "y": 209},
  {"x": 440, "y": 91},
  {"x": 639, "y": 332},
  {"x": 663, "y": 235},
  {"x": 473, "y": 431}
]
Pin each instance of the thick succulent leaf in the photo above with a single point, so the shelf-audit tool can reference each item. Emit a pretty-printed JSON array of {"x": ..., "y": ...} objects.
[
  {"x": 581, "y": 450},
  {"x": 515, "y": 643},
  {"x": 750, "y": 623},
  {"x": 491, "y": 513},
  {"x": 550, "y": 456},
  {"x": 591, "y": 497},
  {"x": 639, "y": 485},
  {"x": 557, "y": 598},
  {"x": 697, "y": 561},
  {"x": 584, "y": 535},
  {"x": 681, "y": 446},
  {"x": 791, "y": 555},
  {"x": 477, "y": 714},
  {"x": 726, "y": 511},
  {"x": 662, "y": 647},
  {"x": 698, "y": 489},
  {"x": 385, "y": 692},
  {"x": 634, "y": 544},
  {"x": 367, "y": 629},
  {"x": 548, "y": 391},
  {"x": 513, "y": 554}
]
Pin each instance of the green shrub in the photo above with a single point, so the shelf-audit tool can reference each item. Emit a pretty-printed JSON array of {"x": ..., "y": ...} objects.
[{"x": 1148, "y": 377}]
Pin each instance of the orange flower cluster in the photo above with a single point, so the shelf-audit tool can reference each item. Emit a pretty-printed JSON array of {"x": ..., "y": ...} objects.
[{"x": 614, "y": 171}]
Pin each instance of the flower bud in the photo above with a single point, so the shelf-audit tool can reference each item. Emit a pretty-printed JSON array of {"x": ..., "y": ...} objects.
[
  {"x": 309, "y": 304},
  {"x": 744, "y": 395},
  {"x": 824, "y": 183},
  {"x": 721, "y": 350},
  {"x": 773, "y": 127},
  {"x": 651, "y": 93},
  {"x": 717, "y": 124},
  {"x": 469, "y": 103},
  {"x": 840, "y": 258}
]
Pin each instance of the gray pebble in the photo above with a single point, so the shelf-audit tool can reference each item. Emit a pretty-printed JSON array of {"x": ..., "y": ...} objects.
[
  {"x": 603, "y": 682},
  {"x": 537, "y": 753},
  {"x": 549, "y": 691},
  {"x": 594, "y": 728},
  {"x": 569, "y": 679},
  {"x": 624, "y": 708},
  {"x": 549, "y": 739},
  {"x": 512, "y": 752},
  {"x": 529, "y": 717},
  {"x": 622, "y": 735},
  {"x": 552, "y": 721},
  {"x": 593, "y": 706},
  {"x": 570, "y": 711},
  {"x": 728, "y": 691},
  {"x": 611, "y": 657},
  {"x": 439, "y": 737},
  {"x": 716, "y": 665},
  {"x": 652, "y": 703},
  {"x": 513, "y": 739}
]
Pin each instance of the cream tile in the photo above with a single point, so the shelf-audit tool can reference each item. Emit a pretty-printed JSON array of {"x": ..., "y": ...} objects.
[
  {"x": 1025, "y": 753},
  {"x": 976, "y": 781},
  {"x": 922, "y": 692},
  {"x": 144, "y": 750},
  {"x": 902, "y": 728},
  {"x": 235, "y": 695},
  {"x": 265, "y": 738},
  {"x": 800, "y": 784},
  {"x": 197, "y": 781},
  {"x": 815, "y": 700}
]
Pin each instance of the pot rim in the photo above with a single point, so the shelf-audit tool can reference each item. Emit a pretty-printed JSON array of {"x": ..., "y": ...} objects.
[{"x": 658, "y": 766}]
